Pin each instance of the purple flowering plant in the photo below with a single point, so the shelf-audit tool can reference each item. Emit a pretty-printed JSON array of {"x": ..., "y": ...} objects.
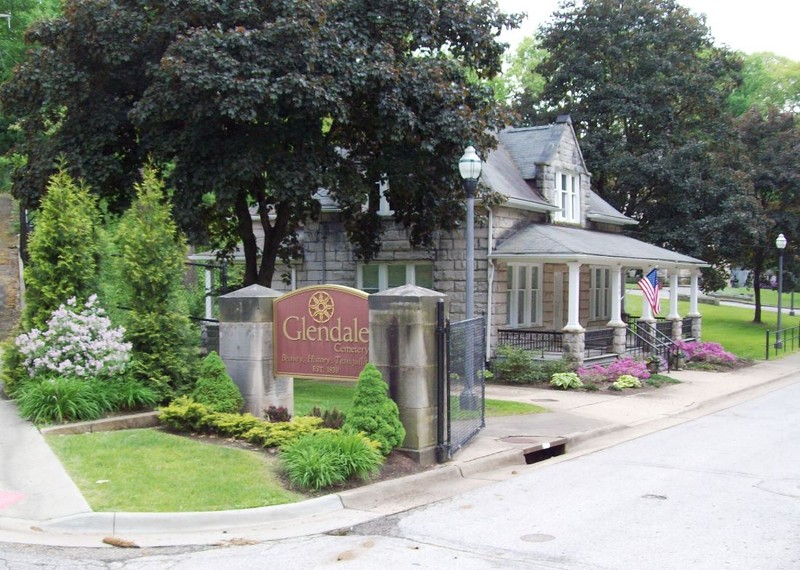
[
  {"x": 705, "y": 352},
  {"x": 626, "y": 366},
  {"x": 78, "y": 342}
]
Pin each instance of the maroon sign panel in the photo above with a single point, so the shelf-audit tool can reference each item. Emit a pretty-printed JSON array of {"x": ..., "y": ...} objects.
[{"x": 322, "y": 331}]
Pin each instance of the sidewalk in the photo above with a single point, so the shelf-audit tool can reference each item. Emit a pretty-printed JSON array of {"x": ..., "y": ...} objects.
[{"x": 39, "y": 504}]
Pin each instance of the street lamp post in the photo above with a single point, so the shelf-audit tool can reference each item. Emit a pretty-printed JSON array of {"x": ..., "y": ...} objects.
[
  {"x": 470, "y": 168},
  {"x": 780, "y": 243}
]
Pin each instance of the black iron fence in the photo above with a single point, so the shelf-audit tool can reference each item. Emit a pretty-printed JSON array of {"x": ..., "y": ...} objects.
[
  {"x": 598, "y": 341},
  {"x": 462, "y": 383},
  {"x": 543, "y": 341},
  {"x": 782, "y": 341}
]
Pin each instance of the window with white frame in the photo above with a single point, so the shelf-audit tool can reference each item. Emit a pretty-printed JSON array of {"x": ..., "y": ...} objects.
[
  {"x": 524, "y": 296},
  {"x": 600, "y": 293},
  {"x": 374, "y": 277},
  {"x": 567, "y": 195}
]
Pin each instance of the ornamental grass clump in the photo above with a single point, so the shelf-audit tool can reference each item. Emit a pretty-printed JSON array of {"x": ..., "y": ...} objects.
[
  {"x": 326, "y": 458},
  {"x": 373, "y": 413}
]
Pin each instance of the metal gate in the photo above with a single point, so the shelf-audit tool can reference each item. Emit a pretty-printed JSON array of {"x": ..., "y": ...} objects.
[{"x": 461, "y": 369}]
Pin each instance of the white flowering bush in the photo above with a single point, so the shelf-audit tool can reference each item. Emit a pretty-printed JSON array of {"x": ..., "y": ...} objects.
[{"x": 79, "y": 342}]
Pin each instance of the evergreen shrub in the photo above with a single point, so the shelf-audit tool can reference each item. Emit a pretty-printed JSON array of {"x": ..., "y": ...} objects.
[
  {"x": 373, "y": 413},
  {"x": 63, "y": 250},
  {"x": 150, "y": 273},
  {"x": 215, "y": 389}
]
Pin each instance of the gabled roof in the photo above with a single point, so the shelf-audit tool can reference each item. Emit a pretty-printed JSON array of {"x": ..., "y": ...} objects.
[
  {"x": 500, "y": 173},
  {"x": 546, "y": 243},
  {"x": 601, "y": 211}
]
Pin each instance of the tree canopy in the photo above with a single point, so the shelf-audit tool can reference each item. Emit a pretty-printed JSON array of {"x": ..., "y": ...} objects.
[
  {"x": 646, "y": 90},
  {"x": 256, "y": 105},
  {"x": 768, "y": 81},
  {"x": 770, "y": 185}
]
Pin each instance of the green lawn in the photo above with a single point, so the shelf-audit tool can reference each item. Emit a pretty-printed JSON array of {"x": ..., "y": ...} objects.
[
  {"x": 327, "y": 395},
  {"x": 146, "y": 470},
  {"x": 732, "y": 327}
]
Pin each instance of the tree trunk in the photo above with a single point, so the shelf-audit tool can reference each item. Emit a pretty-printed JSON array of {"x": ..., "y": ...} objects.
[
  {"x": 245, "y": 231},
  {"x": 757, "y": 294}
]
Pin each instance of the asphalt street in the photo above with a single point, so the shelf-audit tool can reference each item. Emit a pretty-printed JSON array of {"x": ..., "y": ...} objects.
[{"x": 719, "y": 491}]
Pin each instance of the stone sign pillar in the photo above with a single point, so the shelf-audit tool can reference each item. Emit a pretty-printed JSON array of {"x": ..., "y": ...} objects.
[
  {"x": 245, "y": 345},
  {"x": 402, "y": 346}
]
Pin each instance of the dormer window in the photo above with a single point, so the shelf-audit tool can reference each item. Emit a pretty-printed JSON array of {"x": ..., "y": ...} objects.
[{"x": 567, "y": 196}]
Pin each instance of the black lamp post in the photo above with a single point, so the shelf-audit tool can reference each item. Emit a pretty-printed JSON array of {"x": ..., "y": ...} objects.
[{"x": 780, "y": 243}]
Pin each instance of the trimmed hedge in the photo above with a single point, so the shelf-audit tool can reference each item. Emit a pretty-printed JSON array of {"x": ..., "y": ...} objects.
[{"x": 184, "y": 414}]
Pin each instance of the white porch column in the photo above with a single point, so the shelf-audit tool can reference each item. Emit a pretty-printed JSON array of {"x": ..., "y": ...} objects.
[
  {"x": 693, "y": 312},
  {"x": 616, "y": 305},
  {"x": 573, "y": 318},
  {"x": 616, "y": 322},
  {"x": 673, "y": 296},
  {"x": 647, "y": 311}
]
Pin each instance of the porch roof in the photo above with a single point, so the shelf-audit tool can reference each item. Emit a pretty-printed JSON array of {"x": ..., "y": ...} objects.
[{"x": 547, "y": 243}]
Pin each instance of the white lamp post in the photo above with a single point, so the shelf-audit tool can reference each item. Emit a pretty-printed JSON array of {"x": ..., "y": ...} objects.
[
  {"x": 780, "y": 243},
  {"x": 470, "y": 168}
]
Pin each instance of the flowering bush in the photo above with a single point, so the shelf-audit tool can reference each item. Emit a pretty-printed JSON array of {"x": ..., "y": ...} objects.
[
  {"x": 705, "y": 352},
  {"x": 626, "y": 366},
  {"x": 78, "y": 342}
]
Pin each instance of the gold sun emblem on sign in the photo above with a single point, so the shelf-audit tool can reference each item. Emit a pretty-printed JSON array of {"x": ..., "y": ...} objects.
[{"x": 320, "y": 307}]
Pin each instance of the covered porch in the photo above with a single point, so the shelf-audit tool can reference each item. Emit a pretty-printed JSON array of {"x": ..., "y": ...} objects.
[{"x": 580, "y": 292}]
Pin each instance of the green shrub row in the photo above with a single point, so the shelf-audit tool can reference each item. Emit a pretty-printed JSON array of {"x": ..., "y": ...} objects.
[
  {"x": 513, "y": 365},
  {"x": 186, "y": 415}
]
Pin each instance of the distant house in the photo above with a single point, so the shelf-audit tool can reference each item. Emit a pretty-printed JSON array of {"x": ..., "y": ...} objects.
[{"x": 550, "y": 259}]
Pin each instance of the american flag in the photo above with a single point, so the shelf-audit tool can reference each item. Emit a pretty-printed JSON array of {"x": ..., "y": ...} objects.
[{"x": 650, "y": 288}]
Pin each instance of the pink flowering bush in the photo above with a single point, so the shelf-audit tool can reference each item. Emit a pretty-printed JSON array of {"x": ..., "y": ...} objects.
[
  {"x": 626, "y": 366},
  {"x": 79, "y": 342},
  {"x": 705, "y": 352}
]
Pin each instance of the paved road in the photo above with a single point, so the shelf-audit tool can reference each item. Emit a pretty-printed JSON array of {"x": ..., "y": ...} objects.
[{"x": 722, "y": 491}]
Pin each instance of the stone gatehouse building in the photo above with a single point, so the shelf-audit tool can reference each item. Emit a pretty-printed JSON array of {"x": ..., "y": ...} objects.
[{"x": 550, "y": 259}]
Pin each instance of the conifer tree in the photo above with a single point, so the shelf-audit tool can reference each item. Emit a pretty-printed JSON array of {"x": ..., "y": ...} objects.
[
  {"x": 152, "y": 256},
  {"x": 374, "y": 413}
]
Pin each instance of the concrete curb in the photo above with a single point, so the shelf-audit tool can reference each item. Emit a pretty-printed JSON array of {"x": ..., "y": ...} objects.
[
  {"x": 148, "y": 523},
  {"x": 130, "y": 421}
]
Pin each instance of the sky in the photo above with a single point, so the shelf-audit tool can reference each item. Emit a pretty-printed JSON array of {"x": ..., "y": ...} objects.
[{"x": 745, "y": 25}]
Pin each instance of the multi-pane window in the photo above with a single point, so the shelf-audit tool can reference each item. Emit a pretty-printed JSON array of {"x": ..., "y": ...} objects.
[
  {"x": 568, "y": 198},
  {"x": 374, "y": 277},
  {"x": 600, "y": 293},
  {"x": 524, "y": 298}
]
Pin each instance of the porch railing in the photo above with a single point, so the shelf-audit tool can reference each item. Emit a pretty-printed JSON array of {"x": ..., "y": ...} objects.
[
  {"x": 598, "y": 341},
  {"x": 686, "y": 327},
  {"x": 544, "y": 341},
  {"x": 649, "y": 342}
]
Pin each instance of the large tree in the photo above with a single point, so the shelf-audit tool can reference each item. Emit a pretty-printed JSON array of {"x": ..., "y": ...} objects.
[
  {"x": 646, "y": 89},
  {"x": 769, "y": 159},
  {"x": 17, "y": 16},
  {"x": 256, "y": 105},
  {"x": 768, "y": 81}
]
